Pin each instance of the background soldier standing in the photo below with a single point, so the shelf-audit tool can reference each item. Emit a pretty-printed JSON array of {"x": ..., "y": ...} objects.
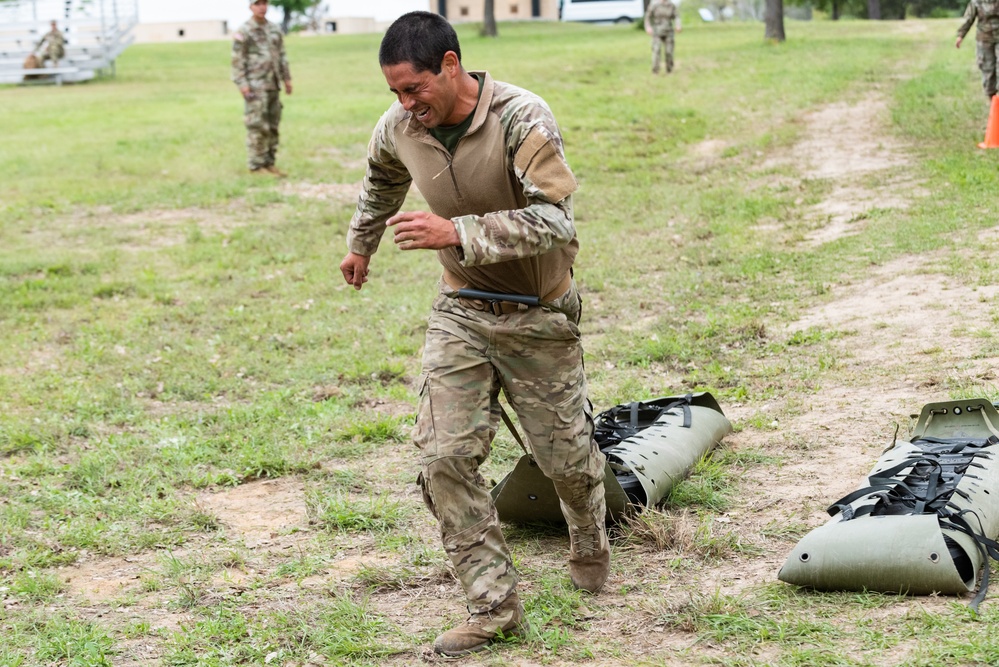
[
  {"x": 259, "y": 67},
  {"x": 487, "y": 157},
  {"x": 659, "y": 19},
  {"x": 55, "y": 46},
  {"x": 987, "y": 42}
]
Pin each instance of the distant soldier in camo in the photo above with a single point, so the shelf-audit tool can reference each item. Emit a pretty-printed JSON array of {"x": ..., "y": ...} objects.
[
  {"x": 259, "y": 69},
  {"x": 55, "y": 46},
  {"x": 986, "y": 12},
  {"x": 659, "y": 21},
  {"x": 488, "y": 159}
]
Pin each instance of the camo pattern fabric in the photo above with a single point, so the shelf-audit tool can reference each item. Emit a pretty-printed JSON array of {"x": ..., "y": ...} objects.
[
  {"x": 55, "y": 46},
  {"x": 259, "y": 62},
  {"x": 662, "y": 51},
  {"x": 986, "y": 12},
  {"x": 660, "y": 17},
  {"x": 534, "y": 355},
  {"x": 987, "y": 55},
  {"x": 507, "y": 189},
  {"x": 262, "y": 117}
]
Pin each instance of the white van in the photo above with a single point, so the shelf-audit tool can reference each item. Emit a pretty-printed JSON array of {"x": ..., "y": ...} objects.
[{"x": 612, "y": 11}]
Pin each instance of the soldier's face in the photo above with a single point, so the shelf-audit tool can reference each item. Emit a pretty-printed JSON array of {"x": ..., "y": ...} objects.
[
  {"x": 259, "y": 9},
  {"x": 430, "y": 97}
]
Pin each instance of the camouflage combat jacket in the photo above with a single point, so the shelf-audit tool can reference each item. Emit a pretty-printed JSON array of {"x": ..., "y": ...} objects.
[
  {"x": 258, "y": 58},
  {"x": 55, "y": 43},
  {"x": 660, "y": 17},
  {"x": 506, "y": 187},
  {"x": 987, "y": 13}
]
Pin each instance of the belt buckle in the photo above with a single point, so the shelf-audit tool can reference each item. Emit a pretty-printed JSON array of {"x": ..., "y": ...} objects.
[{"x": 496, "y": 307}]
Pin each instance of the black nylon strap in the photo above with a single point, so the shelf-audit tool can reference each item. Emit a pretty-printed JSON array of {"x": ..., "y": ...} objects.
[{"x": 925, "y": 483}]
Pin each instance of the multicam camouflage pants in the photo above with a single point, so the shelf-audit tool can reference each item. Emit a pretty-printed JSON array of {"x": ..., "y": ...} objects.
[
  {"x": 987, "y": 55},
  {"x": 535, "y": 356},
  {"x": 662, "y": 49},
  {"x": 262, "y": 115},
  {"x": 53, "y": 53}
]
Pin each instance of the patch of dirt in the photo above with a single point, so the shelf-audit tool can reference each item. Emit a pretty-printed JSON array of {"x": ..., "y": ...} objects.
[
  {"x": 867, "y": 172},
  {"x": 100, "y": 580},
  {"x": 344, "y": 193},
  {"x": 260, "y": 512},
  {"x": 135, "y": 232},
  {"x": 896, "y": 322}
]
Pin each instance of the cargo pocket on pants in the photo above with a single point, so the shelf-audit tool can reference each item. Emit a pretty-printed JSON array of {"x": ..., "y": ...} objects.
[{"x": 423, "y": 432}]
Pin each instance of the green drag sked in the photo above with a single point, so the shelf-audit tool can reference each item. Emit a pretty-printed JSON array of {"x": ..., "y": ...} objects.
[
  {"x": 649, "y": 445},
  {"x": 925, "y": 521}
]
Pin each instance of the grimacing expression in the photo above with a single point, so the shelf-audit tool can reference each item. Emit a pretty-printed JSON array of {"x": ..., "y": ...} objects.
[{"x": 428, "y": 96}]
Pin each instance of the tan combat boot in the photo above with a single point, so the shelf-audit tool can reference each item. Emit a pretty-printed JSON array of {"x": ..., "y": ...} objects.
[
  {"x": 274, "y": 170},
  {"x": 589, "y": 557},
  {"x": 479, "y": 630}
]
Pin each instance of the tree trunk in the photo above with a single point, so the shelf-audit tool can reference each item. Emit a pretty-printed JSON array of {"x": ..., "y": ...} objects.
[
  {"x": 774, "y": 21},
  {"x": 489, "y": 19},
  {"x": 835, "y": 8},
  {"x": 286, "y": 21},
  {"x": 874, "y": 9}
]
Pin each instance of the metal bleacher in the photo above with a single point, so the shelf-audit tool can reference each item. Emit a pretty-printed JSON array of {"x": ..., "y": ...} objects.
[{"x": 96, "y": 31}]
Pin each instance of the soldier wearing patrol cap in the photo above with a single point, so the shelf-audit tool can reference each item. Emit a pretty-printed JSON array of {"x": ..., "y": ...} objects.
[
  {"x": 259, "y": 69},
  {"x": 488, "y": 159}
]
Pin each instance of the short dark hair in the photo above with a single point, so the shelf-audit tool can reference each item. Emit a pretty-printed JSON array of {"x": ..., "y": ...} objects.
[{"x": 420, "y": 39}]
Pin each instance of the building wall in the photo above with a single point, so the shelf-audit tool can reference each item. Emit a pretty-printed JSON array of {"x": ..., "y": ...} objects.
[
  {"x": 181, "y": 31},
  {"x": 348, "y": 25},
  {"x": 461, "y": 11}
]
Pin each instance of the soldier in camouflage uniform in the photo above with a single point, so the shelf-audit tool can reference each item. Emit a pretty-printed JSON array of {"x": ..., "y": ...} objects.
[
  {"x": 55, "y": 46},
  {"x": 986, "y": 12},
  {"x": 259, "y": 68},
  {"x": 659, "y": 20},
  {"x": 488, "y": 158}
]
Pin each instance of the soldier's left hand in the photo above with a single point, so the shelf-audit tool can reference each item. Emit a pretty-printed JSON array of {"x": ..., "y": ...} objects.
[
  {"x": 287, "y": 87},
  {"x": 414, "y": 230}
]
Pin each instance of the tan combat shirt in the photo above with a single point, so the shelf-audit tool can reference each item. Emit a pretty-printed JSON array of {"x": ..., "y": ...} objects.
[{"x": 507, "y": 188}]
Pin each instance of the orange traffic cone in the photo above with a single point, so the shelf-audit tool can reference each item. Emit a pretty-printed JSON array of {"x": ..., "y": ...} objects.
[{"x": 992, "y": 129}]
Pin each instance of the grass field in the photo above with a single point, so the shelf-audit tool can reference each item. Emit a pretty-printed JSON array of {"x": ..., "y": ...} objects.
[{"x": 204, "y": 454}]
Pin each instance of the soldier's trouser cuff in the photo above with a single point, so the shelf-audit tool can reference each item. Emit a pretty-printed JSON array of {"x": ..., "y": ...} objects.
[
  {"x": 483, "y": 564},
  {"x": 470, "y": 530},
  {"x": 593, "y": 510}
]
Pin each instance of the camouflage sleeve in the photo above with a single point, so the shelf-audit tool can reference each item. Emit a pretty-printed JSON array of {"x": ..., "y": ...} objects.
[
  {"x": 383, "y": 192},
  {"x": 239, "y": 60},
  {"x": 969, "y": 17},
  {"x": 283, "y": 69},
  {"x": 534, "y": 147}
]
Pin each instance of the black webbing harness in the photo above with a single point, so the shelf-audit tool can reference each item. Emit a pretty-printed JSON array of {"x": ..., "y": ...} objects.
[
  {"x": 928, "y": 487},
  {"x": 625, "y": 420}
]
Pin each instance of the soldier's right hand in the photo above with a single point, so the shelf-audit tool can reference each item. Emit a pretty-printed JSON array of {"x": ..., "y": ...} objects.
[
  {"x": 246, "y": 92},
  {"x": 354, "y": 268}
]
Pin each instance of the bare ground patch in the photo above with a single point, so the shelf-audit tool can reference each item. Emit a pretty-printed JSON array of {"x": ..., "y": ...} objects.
[
  {"x": 134, "y": 232},
  {"x": 344, "y": 193},
  {"x": 848, "y": 145}
]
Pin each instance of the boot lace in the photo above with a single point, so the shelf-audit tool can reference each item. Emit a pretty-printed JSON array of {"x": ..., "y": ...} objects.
[{"x": 585, "y": 541}]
